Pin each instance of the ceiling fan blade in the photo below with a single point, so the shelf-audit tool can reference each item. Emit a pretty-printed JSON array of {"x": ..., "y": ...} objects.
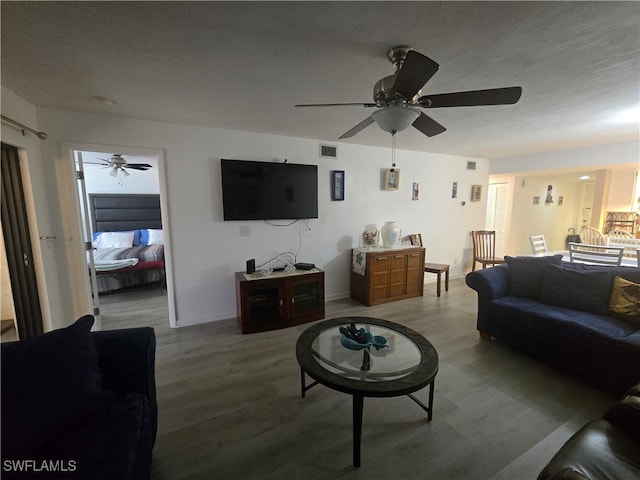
[
  {"x": 428, "y": 125},
  {"x": 366, "y": 105},
  {"x": 416, "y": 70},
  {"x": 361, "y": 126},
  {"x": 138, "y": 166},
  {"x": 472, "y": 98}
]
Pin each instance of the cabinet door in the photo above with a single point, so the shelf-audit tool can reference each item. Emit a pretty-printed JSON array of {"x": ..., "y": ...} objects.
[
  {"x": 415, "y": 273},
  {"x": 379, "y": 275},
  {"x": 305, "y": 295},
  {"x": 398, "y": 274},
  {"x": 263, "y": 303}
]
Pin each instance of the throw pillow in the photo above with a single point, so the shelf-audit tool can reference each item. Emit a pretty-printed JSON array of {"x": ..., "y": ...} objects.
[
  {"x": 625, "y": 299},
  {"x": 588, "y": 291},
  {"x": 152, "y": 236},
  {"x": 156, "y": 237},
  {"x": 114, "y": 240},
  {"x": 526, "y": 273},
  {"x": 48, "y": 383}
]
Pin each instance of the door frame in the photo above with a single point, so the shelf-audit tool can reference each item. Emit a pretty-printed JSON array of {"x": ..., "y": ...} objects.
[
  {"x": 83, "y": 288},
  {"x": 505, "y": 229}
]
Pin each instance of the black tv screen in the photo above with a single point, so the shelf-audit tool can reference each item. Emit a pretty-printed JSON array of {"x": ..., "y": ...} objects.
[{"x": 268, "y": 191}]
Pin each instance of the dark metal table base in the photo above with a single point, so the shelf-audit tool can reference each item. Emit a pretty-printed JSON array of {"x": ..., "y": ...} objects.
[{"x": 358, "y": 408}]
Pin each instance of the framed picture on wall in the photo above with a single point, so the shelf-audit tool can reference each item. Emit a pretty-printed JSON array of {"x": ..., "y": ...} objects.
[
  {"x": 476, "y": 193},
  {"x": 415, "y": 191},
  {"x": 337, "y": 185},
  {"x": 391, "y": 179}
]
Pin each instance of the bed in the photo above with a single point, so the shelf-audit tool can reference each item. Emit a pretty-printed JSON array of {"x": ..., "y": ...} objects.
[{"x": 128, "y": 241}]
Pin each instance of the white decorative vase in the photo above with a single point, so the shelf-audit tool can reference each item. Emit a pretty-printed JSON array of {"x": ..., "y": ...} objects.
[{"x": 390, "y": 233}]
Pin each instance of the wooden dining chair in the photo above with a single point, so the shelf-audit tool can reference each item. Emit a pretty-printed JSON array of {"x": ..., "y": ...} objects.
[
  {"x": 538, "y": 244},
  {"x": 484, "y": 248},
  {"x": 592, "y": 236}
]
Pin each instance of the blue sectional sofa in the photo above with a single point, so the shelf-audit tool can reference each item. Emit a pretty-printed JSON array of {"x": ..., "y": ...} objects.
[
  {"x": 77, "y": 404},
  {"x": 570, "y": 314}
]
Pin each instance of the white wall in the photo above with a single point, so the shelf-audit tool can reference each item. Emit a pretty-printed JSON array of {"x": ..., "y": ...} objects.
[
  {"x": 622, "y": 189},
  {"x": 207, "y": 251},
  {"x": 552, "y": 221},
  {"x": 598, "y": 156}
]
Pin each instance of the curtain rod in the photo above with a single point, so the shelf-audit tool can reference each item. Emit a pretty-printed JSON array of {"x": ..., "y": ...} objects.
[{"x": 40, "y": 135}]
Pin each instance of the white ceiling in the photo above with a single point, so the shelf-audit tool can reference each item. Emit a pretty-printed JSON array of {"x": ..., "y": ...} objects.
[{"x": 243, "y": 65}]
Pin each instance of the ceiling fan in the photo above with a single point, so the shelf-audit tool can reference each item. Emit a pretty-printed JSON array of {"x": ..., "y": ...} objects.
[
  {"x": 119, "y": 166},
  {"x": 397, "y": 98},
  {"x": 117, "y": 163}
]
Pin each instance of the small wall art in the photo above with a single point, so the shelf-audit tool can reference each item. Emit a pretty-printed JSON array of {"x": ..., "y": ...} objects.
[
  {"x": 337, "y": 184},
  {"x": 454, "y": 190},
  {"x": 391, "y": 179},
  {"x": 560, "y": 201},
  {"x": 476, "y": 193},
  {"x": 536, "y": 200},
  {"x": 549, "y": 199},
  {"x": 415, "y": 191}
]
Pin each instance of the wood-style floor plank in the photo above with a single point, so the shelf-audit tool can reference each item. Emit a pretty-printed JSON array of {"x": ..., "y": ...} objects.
[{"x": 230, "y": 406}]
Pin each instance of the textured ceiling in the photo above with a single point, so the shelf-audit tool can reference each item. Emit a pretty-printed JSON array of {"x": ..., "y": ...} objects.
[{"x": 243, "y": 65}]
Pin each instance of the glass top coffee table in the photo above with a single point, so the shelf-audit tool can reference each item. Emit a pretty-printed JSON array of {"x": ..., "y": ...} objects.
[{"x": 406, "y": 364}]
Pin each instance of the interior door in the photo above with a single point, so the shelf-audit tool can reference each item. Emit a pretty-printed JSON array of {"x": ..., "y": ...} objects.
[
  {"x": 86, "y": 231},
  {"x": 17, "y": 239},
  {"x": 497, "y": 214}
]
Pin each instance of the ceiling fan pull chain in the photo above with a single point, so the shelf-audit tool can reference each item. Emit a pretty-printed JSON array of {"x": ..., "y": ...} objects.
[{"x": 393, "y": 149}]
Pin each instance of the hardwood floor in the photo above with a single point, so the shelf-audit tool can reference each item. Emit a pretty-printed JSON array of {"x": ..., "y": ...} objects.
[{"x": 230, "y": 405}]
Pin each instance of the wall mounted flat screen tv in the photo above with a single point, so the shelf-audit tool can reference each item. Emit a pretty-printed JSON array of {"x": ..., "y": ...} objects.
[{"x": 268, "y": 191}]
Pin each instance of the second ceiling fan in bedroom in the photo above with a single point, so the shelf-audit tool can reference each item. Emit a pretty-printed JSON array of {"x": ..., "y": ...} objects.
[
  {"x": 398, "y": 100},
  {"x": 119, "y": 166}
]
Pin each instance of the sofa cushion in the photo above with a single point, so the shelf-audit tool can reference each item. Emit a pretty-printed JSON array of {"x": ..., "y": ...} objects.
[
  {"x": 48, "y": 382},
  {"x": 526, "y": 274},
  {"x": 583, "y": 334},
  {"x": 625, "y": 300},
  {"x": 587, "y": 290}
]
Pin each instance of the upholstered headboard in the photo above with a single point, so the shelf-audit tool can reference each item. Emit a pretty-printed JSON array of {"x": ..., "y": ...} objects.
[{"x": 113, "y": 212}]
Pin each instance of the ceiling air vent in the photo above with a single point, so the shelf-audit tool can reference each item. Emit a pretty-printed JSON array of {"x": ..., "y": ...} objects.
[
  {"x": 328, "y": 151},
  {"x": 471, "y": 165}
]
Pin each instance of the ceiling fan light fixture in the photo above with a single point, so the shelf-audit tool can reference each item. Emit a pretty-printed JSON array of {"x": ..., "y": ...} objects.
[
  {"x": 114, "y": 172},
  {"x": 395, "y": 118}
]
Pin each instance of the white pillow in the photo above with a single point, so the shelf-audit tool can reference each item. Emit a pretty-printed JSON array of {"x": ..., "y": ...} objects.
[
  {"x": 114, "y": 240},
  {"x": 156, "y": 237}
]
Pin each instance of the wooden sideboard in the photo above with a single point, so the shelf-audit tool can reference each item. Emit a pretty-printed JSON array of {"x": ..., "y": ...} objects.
[{"x": 381, "y": 275}]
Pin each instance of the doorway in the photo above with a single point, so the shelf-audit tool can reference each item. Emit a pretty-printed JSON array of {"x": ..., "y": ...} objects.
[
  {"x": 115, "y": 296},
  {"x": 496, "y": 218},
  {"x": 18, "y": 261}
]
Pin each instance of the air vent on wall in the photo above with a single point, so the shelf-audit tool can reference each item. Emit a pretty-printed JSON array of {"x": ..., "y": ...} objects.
[
  {"x": 328, "y": 151},
  {"x": 471, "y": 165}
]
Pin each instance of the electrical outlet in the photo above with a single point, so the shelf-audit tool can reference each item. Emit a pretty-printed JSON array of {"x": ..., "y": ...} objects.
[{"x": 245, "y": 231}]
